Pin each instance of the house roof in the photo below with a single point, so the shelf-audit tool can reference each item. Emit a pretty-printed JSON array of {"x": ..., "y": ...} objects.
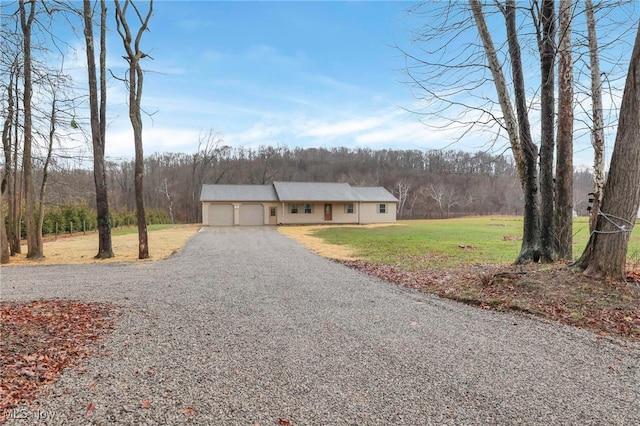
[
  {"x": 374, "y": 194},
  {"x": 238, "y": 193},
  {"x": 296, "y": 191},
  {"x": 314, "y": 191}
]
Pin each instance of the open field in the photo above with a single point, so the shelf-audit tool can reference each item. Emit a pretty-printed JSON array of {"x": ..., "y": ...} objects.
[
  {"x": 419, "y": 244},
  {"x": 81, "y": 248}
]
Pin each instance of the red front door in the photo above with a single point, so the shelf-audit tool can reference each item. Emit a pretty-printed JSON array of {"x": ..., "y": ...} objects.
[{"x": 327, "y": 212}]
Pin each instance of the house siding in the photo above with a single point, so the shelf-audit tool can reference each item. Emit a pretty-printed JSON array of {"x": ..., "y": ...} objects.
[
  {"x": 317, "y": 214},
  {"x": 369, "y": 213},
  {"x": 239, "y": 205}
]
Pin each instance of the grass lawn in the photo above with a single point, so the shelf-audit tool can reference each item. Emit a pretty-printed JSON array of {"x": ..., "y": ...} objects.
[
  {"x": 471, "y": 260},
  {"x": 417, "y": 244}
]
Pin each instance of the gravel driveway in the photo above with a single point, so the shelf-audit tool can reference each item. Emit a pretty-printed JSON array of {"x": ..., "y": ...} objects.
[{"x": 245, "y": 327}]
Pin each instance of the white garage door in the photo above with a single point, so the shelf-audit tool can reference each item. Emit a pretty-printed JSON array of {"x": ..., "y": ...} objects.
[
  {"x": 221, "y": 215},
  {"x": 251, "y": 214}
]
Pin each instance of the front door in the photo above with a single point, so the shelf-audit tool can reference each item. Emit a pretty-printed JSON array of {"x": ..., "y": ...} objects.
[
  {"x": 327, "y": 212},
  {"x": 273, "y": 219}
]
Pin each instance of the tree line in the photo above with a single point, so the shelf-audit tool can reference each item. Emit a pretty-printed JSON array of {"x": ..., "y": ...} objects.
[{"x": 428, "y": 184}]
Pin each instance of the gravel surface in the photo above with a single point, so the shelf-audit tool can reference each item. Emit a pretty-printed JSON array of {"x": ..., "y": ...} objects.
[{"x": 245, "y": 326}]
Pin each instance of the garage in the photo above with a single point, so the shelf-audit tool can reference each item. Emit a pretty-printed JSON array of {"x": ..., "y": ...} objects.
[
  {"x": 251, "y": 215},
  {"x": 221, "y": 215}
]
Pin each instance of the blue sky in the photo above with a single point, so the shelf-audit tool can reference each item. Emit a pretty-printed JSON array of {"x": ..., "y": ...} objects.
[
  {"x": 300, "y": 74},
  {"x": 267, "y": 73}
]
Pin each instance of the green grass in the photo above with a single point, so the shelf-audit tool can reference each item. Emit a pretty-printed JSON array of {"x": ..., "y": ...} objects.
[
  {"x": 436, "y": 243},
  {"x": 134, "y": 229}
]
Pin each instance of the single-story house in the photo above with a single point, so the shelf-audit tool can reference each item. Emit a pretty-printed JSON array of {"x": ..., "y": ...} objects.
[{"x": 286, "y": 203}]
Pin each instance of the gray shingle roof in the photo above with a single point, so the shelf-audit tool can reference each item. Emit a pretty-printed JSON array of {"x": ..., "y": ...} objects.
[
  {"x": 313, "y": 191},
  {"x": 296, "y": 191},
  {"x": 374, "y": 194},
  {"x": 238, "y": 193}
]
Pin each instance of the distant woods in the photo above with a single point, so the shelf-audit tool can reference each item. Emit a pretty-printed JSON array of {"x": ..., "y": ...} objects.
[{"x": 428, "y": 184}]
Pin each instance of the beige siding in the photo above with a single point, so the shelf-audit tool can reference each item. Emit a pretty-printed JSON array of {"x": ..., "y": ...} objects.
[
  {"x": 230, "y": 214},
  {"x": 369, "y": 213},
  {"x": 317, "y": 214}
]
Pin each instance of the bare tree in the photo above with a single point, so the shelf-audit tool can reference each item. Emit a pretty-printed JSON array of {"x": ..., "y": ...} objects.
[
  {"x": 564, "y": 164},
  {"x": 606, "y": 253},
  {"x": 98, "y": 125},
  {"x": 401, "y": 190},
  {"x": 597, "y": 131},
  {"x": 135, "y": 82},
  {"x": 34, "y": 248},
  {"x": 546, "y": 30},
  {"x": 518, "y": 127}
]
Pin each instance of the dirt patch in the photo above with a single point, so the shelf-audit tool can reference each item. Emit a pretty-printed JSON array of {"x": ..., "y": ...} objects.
[{"x": 76, "y": 249}]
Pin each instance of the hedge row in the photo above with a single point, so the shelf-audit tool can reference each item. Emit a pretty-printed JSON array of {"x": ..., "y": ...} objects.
[{"x": 81, "y": 218}]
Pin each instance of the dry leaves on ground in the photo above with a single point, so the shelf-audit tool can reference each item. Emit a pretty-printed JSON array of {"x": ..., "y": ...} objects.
[{"x": 42, "y": 338}]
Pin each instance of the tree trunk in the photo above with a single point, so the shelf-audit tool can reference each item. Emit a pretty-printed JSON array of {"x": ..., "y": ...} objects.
[
  {"x": 524, "y": 151},
  {"x": 135, "y": 80},
  {"x": 45, "y": 168},
  {"x": 530, "y": 250},
  {"x": 4, "y": 243},
  {"x": 564, "y": 165},
  {"x": 606, "y": 253},
  {"x": 547, "y": 47},
  {"x": 597, "y": 131},
  {"x": 7, "y": 175},
  {"x": 98, "y": 118},
  {"x": 15, "y": 208},
  {"x": 34, "y": 248},
  {"x": 136, "y": 76}
]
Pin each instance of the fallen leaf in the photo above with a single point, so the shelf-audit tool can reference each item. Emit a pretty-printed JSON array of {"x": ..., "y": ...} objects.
[
  {"x": 90, "y": 408},
  {"x": 188, "y": 410},
  {"x": 613, "y": 367},
  {"x": 284, "y": 422},
  {"x": 145, "y": 403}
]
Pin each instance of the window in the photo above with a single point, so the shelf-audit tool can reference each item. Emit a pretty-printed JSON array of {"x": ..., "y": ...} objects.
[
  {"x": 308, "y": 208},
  {"x": 272, "y": 212},
  {"x": 348, "y": 208},
  {"x": 382, "y": 208},
  {"x": 293, "y": 208}
]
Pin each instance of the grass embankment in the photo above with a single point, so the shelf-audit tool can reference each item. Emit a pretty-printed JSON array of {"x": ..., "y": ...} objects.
[{"x": 470, "y": 260}]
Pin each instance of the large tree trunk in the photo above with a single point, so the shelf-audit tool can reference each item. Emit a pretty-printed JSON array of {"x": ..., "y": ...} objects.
[
  {"x": 105, "y": 249},
  {"x": 34, "y": 248},
  {"x": 564, "y": 165},
  {"x": 597, "y": 131},
  {"x": 530, "y": 250},
  {"x": 547, "y": 47},
  {"x": 524, "y": 151},
  {"x": 606, "y": 253}
]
